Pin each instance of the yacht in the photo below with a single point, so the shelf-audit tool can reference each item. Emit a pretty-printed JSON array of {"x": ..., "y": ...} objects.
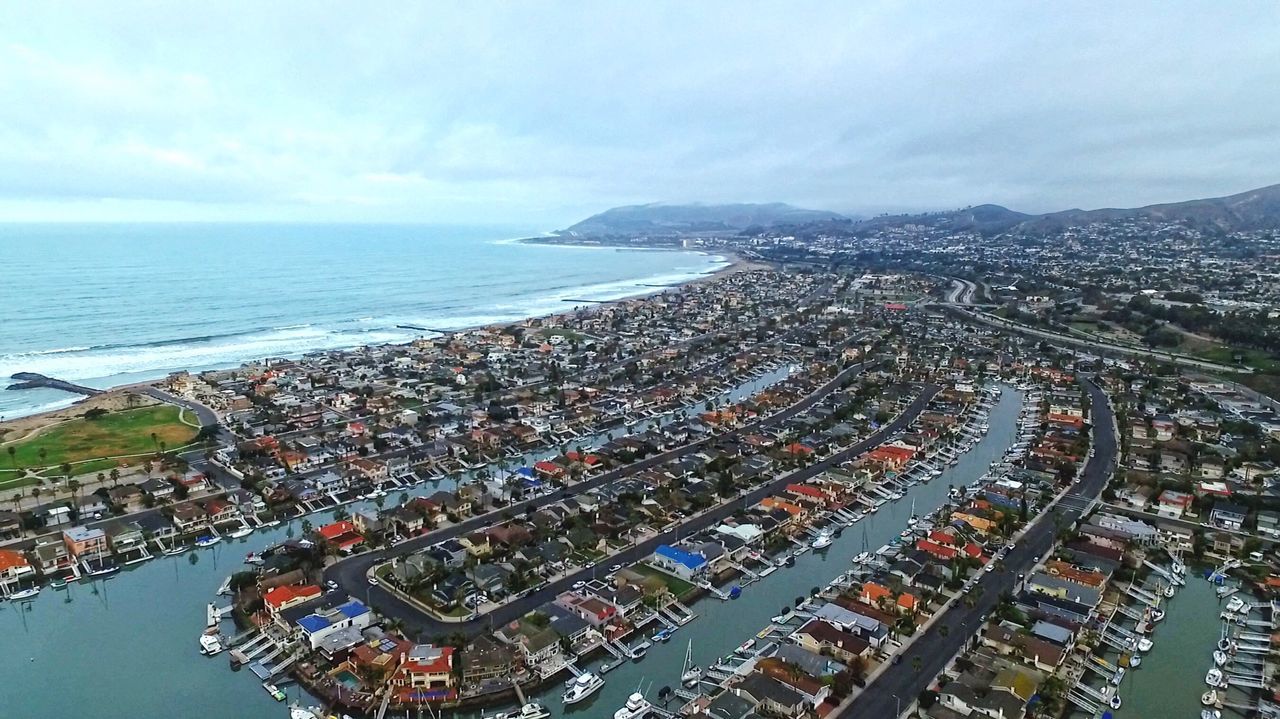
[
  {"x": 1144, "y": 644},
  {"x": 210, "y": 645},
  {"x": 532, "y": 710},
  {"x": 27, "y": 593},
  {"x": 299, "y": 712},
  {"x": 1214, "y": 677},
  {"x": 637, "y": 707},
  {"x": 582, "y": 687},
  {"x": 241, "y": 533},
  {"x": 862, "y": 558},
  {"x": 822, "y": 541},
  {"x": 1235, "y": 604}
]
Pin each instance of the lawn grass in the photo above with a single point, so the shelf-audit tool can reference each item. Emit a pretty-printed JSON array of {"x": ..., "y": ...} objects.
[
  {"x": 113, "y": 434},
  {"x": 1259, "y": 360},
  {"x": 675, "y": 585}
]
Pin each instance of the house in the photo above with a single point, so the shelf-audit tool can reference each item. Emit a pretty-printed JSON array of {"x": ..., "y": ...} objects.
[
  {"x": 819, "y": 636},
  {"x": 288, "y": 595},
  {"x": 485, "y": 660},
  {"x": 771, "y": 695},
  {"x": 1227, "y": 515},
  {"x": 685, "y": 565},
  {"x": 14, "y": 567},
  {"x": 85, "y": 542},
  {"x": 426, "y": 668},
  {"x": 314, "y": 628},
  {"x": 342, "y": 536},
  {"x": 189, "y": 517},
  {"x": 52, "y": 556},
  {"x": 125, "y": 537},
  {"x": 1173, "y": 504}
]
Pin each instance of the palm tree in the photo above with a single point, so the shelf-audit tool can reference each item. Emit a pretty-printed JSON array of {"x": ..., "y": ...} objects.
[
  {"x": 115, "y": 476},
  {"x": 155, "y": 441},
  {"x": 74, "y": 486},
  {"x": 35, "y": 492},
  {"x": 917, "y": 664},
  {"x": 66, "y": 468},
  {"x": 13, "y": 456}
]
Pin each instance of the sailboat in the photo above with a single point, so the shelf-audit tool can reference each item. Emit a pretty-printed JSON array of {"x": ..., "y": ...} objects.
[
  {"x": 911, "y": 522},
  {"x": 692, "y": 672}
]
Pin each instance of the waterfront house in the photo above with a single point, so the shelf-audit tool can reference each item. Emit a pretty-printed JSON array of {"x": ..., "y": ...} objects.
[
  {"x": 341, "y": 536},
  {"x": 819, "y": 636},
  {"x": 288, "y": 595},
  {"x": 485, "y": 660},
  {"x": 14, "y": 567},
  {"x": 426, "y": 674},
  {"x": 683, "y": 564},
  {"x": 126, "y": 539},
  {"x": 771, "y": 695},
  {"x": 315, "y": 627},
  {"x": 52, "y": 556},
  {"x": 85, "y": 542},
  {"x": 189, "y": 517},
  {"x": 156, "y": 526},
  {"x": 1041, "y": 654}
]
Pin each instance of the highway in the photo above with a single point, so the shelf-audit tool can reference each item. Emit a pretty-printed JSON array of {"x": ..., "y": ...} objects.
[
  {"x": 900, "y": 684},
  {"x": 350, "y": 574}
]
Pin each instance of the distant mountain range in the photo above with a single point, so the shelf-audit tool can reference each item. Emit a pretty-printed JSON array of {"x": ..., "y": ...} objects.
[
  {"x": 1253, "y": 210},
  {"x": 659, "y": 218}
]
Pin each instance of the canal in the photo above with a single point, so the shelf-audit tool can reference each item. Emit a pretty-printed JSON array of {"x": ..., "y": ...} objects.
[
  {"x": 1171, "y": 679},
  {"x": 125, "y": 648},
  {"x": 722, "y": 626}
]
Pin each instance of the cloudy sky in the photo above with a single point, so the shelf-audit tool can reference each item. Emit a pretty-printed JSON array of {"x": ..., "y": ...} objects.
[{"x": 538, "y": 113}]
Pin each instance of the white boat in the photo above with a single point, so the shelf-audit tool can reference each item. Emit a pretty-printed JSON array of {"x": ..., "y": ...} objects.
[
  {"x": 1144, "y": 644},
  {"x": 208, "y": 541},
  {"x": 241, "y": 533},
  {"x": 637, "y": 707},
  {"x": 176, "y": 550},
  {"x": 22, "y": 594},
  {"x": 1214, "y": 677},
  {"x": 692, "y": 672},
  {"x": 582, "y": 687},
  {"x": 1235, "y": 604},
  {"x": 225, "y": 589},
  {"x": 1219, "y": 657},
  {"x": 272, "y": 523},
  {"x": 210, "y": 645},
  {"x": 823, "y": 540},
  {"x": 913, "y": 519},
  {"x": 298, "y": 712},
  {"x": 1209, "y": 698},
  {"x": 532, "y": 710},
  {"x": 862, "y": 558},
  {"x": 746, "y": 647},
  {"x": 1210, "y": 714}
]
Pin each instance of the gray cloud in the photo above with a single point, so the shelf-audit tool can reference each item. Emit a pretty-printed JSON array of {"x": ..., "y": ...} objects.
[{"x": 539, "y": 113}]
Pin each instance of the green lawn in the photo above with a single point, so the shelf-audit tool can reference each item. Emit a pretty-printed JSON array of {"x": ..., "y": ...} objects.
[
  {"x": 113, "y": 434},
  {"x": 1258, "y": 359}
]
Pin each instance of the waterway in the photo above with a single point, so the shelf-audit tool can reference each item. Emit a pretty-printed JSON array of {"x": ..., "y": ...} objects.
[
  {"x": 722, "y": 626},
  {"x": 125, "y": 648},
  {"x": 1171, "y": 679}
]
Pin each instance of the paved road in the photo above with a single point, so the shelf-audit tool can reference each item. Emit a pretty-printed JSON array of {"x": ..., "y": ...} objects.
[
  {"x": 350, "y": 574},
  {"x": 900, "y": 684}
]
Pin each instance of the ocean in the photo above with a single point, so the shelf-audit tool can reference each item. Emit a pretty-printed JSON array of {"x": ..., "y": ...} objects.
[{"x": 109, "y": 304}]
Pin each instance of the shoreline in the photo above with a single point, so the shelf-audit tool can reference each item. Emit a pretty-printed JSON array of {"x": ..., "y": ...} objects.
[{"x": 29, "y": 424}]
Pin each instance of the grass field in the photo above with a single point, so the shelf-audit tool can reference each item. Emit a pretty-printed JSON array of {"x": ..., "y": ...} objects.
[{"x": 113, "y": 434}]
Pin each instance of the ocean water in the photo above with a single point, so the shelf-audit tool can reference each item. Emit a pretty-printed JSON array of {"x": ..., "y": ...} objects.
[{"x": 105, "y": 305}]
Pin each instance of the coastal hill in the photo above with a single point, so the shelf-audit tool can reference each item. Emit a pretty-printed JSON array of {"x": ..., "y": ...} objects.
[
  {"x": 660, "y": 218},
  {"x": 1253, "y": 210}
]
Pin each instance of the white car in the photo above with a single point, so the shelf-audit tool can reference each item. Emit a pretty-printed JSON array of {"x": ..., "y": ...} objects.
[
  {"x": 991, "y": 567},
  {"x": 615, "y": 568},
  {"x": 579, "y": 584}
]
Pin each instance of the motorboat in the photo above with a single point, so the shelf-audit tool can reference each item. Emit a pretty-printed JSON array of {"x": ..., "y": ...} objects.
[
  {"x": 252, "y": 558},
  {"x": 746, "y": 647},
  {"x": 582, "y": 687},
  {"x": 210, "y": 645},
  {"x": 24, "y": 594},
  {"x": 272, "y": 523},
  {"x": 532, "y": 710},
  {"x": 662, "y": 635},
  {"x": 1224, "y": 644},
  {"x": 1144, "y": 644},
  {"x": 300, "y": 712},
  {"x": 1209, "y": 698},
  {"x": 862, "y": 558},
  {"x": 823, "y": 540},
  {"x": 1210, "y": 714},
  {"x": 241, "y": 533},
  {"x": 1214, "y": 677},
  {"x": 275, "y": 692},
  {"x": 208, "y": 540},
  {"x": 1235, "y": 604},
  {"x": 637, "y": 707},
  {"x": 1114, "y": 702},
  {"x": 1220, "y": 657}
]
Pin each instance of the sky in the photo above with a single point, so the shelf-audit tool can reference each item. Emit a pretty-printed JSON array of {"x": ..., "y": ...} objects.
[{"x": 541, "y": 113}]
